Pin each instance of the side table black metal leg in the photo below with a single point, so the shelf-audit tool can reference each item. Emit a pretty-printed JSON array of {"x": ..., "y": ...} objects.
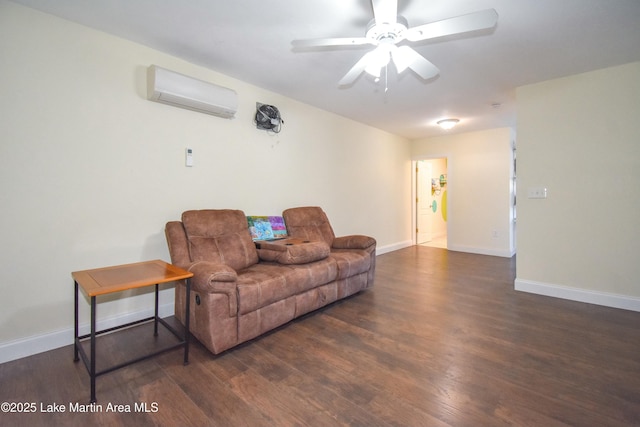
[
  {"x": 93, "y": 350},
  {"x": 155, "y": 319},
  {"x": 186, "y": 322},
  {"x": 75, "y": 327}
]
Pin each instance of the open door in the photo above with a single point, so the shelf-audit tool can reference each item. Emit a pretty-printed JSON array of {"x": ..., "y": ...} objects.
[{"x": 423, "y": 201}]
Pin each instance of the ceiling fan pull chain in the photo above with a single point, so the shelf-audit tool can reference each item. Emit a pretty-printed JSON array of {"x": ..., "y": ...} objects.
[{"x": 386, "y": 78}]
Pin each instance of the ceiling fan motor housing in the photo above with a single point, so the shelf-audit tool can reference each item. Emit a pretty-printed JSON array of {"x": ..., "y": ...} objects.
[{"x": 387, "y": 32}]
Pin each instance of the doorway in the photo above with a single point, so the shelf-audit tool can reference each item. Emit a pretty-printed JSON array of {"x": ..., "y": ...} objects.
[{"x": 431, "y": 202}]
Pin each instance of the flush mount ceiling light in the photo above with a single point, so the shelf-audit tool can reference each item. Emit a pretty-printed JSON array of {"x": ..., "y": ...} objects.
[{"x": 448, "y": 123}]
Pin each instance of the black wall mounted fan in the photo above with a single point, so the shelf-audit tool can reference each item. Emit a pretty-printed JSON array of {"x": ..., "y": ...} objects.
[{"x": 268, "y": 117}]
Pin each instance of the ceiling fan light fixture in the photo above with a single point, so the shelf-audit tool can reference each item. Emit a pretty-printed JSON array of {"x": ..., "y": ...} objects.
[
  {"x": 402, "y": 59},
  {"x": 373, "y": 71},
  {"x": 447, "y": 124},
  {"x": 378, "y": 59}
]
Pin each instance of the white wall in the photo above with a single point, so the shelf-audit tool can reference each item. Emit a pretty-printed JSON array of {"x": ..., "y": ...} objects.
[
  {"x": 579, "y": 136},
  {"x": 479, "y": 169},
  {"x": 90, "y": 171}
]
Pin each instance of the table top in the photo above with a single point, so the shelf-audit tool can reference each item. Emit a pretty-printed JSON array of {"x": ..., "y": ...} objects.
[{"x": 101, "y": 281}]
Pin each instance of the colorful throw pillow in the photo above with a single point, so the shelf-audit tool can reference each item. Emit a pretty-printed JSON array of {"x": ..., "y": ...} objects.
[{"x": 267, "y": 227}]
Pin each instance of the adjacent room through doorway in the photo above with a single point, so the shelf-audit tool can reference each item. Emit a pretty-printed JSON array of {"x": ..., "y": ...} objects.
[{"x": 431, "y": 202}]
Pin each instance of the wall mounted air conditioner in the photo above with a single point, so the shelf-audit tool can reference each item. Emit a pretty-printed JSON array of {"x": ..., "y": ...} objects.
[{"x": 182, "y": 91}]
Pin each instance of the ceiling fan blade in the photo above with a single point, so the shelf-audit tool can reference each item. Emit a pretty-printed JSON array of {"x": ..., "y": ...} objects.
[
  {"x": 345, "y": 41},
  {"x": 356, "y": 70},
  {"x": 404, "y": 57},
  {"x": 460, "y": 24},
  {"x": 385, "y": 11}
]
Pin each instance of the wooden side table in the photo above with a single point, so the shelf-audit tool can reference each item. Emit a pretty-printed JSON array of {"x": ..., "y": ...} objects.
[{"x": 103, "y": 281}]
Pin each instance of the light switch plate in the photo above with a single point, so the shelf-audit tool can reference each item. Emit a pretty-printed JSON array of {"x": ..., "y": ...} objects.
[{"x": 537, "y": 193}]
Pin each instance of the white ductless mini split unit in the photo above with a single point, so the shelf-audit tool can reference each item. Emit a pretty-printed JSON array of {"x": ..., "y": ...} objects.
[{"x": 169, "y": 87}]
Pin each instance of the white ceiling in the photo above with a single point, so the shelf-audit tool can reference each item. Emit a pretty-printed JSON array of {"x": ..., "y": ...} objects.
[{"x": 535, "y": 40}]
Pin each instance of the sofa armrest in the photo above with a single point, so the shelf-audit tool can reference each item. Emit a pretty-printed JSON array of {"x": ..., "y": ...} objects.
[
  {"x": 211, "y": 277},
  {"x": 353, "y": 242}
]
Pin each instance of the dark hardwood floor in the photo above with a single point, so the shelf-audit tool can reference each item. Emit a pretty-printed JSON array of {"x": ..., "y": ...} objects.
[{"x": 441, "y": 340}]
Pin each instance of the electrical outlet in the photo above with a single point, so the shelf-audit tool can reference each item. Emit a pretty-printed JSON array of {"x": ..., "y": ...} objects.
[{"x": 537, "y": 193}]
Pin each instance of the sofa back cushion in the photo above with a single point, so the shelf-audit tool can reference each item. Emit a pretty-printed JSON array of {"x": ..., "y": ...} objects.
[
  {"x": 220, "y": 235},
  {"x": 309, "y": 223}
]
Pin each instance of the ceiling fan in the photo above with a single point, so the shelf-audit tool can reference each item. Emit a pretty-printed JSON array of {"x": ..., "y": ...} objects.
[{"x": 387, "y": 29}]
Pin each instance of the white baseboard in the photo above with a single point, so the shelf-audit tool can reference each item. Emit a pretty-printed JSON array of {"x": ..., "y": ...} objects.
[
  {"x": 29, "y": 346},
  {"x": 624, "y": 302},
  {"x": 394, "y": 247},
  {"x": 482, "y": 251}
]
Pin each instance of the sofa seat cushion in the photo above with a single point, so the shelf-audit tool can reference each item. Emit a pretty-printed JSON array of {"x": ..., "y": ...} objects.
[
  {"x": 351, "y": 261},
  {"x": 265, "y": 282},
  {"x": 302, "y": 252}
]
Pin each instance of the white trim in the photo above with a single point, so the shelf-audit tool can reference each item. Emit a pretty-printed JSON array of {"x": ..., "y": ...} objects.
[
  {"x": 393, "y": 247},
  {"x": 29, "y": 346},
  {"x": 606, "y": 299},
  {"x": 481, "y": 251}
]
